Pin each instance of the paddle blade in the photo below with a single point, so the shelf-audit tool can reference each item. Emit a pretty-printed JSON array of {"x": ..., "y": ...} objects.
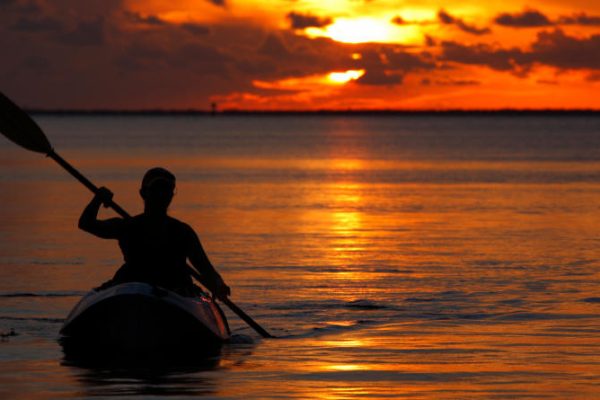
[{"x": 17, "y": 126}]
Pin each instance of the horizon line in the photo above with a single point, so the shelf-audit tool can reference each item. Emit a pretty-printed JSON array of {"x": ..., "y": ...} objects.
[{"x": 349, "y": 112}]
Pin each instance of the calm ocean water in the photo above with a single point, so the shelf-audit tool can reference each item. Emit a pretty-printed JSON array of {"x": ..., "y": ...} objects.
[{"x": 409, "y": 257}]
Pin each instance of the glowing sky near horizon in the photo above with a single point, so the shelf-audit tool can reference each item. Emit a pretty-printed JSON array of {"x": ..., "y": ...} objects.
[{"x": 261, "y": 54}]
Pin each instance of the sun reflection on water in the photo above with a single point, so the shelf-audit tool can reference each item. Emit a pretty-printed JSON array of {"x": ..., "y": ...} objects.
[
  {"x": 345, "y": 343},
  {"x": 344, "y": 367}
]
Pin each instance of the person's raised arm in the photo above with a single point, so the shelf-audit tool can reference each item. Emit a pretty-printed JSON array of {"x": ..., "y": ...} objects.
[
  {"x": 199, "y": 259},
  {"x": 89, "y": 222}
]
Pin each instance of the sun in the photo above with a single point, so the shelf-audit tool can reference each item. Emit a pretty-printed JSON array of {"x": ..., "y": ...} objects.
[
  {"x": 356, "y": 30},
  {"x": 367, "y": 30},
  {"x": 346, "y": 76}
]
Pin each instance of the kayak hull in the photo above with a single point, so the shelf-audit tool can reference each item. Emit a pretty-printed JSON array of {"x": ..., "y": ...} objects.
[{"x": 137, "y": 317}]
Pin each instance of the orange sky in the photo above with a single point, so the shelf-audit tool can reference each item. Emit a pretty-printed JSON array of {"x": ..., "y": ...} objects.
[{"x": 340, "y": 54}]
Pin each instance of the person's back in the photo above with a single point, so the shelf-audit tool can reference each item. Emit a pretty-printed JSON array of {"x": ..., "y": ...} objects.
[
  {"x": 155, "y": 251},
  {"x": 155, "y": 246}
]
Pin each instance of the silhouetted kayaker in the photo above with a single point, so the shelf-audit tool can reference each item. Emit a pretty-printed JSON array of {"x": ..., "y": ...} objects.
[{"x": 155, "y": 246}]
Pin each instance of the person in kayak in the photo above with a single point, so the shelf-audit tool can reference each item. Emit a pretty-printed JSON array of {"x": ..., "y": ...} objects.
[{"x": 155, "y": 246}]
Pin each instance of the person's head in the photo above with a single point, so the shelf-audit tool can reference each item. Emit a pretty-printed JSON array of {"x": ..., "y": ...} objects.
[{"x": 158, "y": 188}]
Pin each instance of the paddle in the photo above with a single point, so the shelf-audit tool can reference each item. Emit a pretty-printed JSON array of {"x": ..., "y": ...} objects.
[{"x": 17, "y": 126}]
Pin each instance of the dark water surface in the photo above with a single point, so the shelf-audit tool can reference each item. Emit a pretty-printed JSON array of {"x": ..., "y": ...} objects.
[{"x": 411, "y": 257}]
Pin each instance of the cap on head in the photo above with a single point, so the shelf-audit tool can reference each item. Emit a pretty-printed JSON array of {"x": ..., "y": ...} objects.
[{"x": 158, "y": 176}]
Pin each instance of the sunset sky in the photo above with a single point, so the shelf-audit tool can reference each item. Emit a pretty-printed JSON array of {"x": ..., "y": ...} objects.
[{"x": 295, "y": 54}]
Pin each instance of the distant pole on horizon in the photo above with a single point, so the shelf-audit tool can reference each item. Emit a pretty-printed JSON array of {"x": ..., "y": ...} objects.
[{"x": 213, "y": 107}]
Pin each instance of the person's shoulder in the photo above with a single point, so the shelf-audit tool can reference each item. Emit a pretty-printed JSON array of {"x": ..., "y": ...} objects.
[
  {"x": 183, "y": 231},
  {"x": 180, "y": 225}
]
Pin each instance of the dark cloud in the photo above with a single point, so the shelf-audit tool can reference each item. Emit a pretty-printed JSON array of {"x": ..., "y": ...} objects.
[
  {"x": 391, "y": 58},
  {"x": 554, "y": 48},
  {"x": 69, "y": 10},
  {"x": 279, "y": 55},
  {"x": 580, "y": 19},
  {"x": 449, "y": 82},
  {"x": 196, "y": 29},
  {"x": 37, "y": 64},
  {"x": 389, "y": 64},
  {"x": 593, "y": 77},
  {"x": 398, "y": 20},
  {"x": 201, "y": 59},
  {"x": 141, "y": 55},
  {"x": 21, "y": 7},
  {"x": 88, "y": 56},
  {"x": 566, "y": 52},
  {"x": 220, "y": 3},
  {"x": 459, "y": 82},
  {"x": 380, "y": 77},
  {"x": 86, "y": 33},
  {"x": 146, "y": 20},
  {"x": 273, "y": 46},
  {"x": 148, "y": 55},
  {"x": 445, "y": 18},
  {"x": 448, "y": 19},
  {"x": 62, "y": 22},
  {"x": 524, "y": 19},
  {"x": 482, "y": 54},
  {"x": 407, "y": 62},
  {"x": 42, "y": 24},
  {"x": 155, "y": 21},
  {"x": 472, "y": 29},
  {"x": 286, "y": 55},
  {"x": 530, "y": 18},
  {"x": 430, "y": 41},
  {"x": 303, "y": 21}
]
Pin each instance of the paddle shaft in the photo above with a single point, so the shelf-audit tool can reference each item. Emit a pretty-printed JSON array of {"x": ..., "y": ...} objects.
[
  {"x": 85, "y": 181},
  {"x": 238, "y": 311},
  {"x": 88, "y": 184},
  {"x": 246, "y": 318}
]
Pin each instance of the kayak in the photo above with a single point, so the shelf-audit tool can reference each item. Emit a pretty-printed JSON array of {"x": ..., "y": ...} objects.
[{"x": 137, "y": 317}]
